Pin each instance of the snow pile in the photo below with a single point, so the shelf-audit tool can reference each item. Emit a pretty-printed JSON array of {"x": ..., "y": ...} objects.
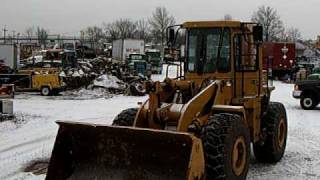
[
  {"x": 105, "y": 86},
  {"x": 85, "y": 94},
  {"x": 109, "y": 81},
  {"x": 17, "y": 120}
]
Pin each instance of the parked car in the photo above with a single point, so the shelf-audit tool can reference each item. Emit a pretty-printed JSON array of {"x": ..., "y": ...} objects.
[
  {"x": 308, "y": 91},
  {"x": 314, "y": 77}
]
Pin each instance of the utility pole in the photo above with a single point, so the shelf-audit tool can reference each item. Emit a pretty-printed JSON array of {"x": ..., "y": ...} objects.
[
  {"x": 13, "y": 35},
  {"x": 18, "y": 37},
  {"x": 4, "y": 34}
]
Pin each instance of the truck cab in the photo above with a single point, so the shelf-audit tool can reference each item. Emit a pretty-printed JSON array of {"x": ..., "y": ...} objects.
[
  {"x": 154, "y": 56},
  {"x": 139, "y": 64},
  {"x": 308, "y": 91}
]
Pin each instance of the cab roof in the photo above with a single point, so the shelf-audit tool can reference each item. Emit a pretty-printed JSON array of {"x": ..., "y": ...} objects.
[{"x": 211, "y": 24}]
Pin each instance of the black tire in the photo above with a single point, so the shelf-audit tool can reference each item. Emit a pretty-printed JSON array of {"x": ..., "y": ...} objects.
[
  {"x": 274, "y": 126},
  {"x": 137, "y": 89},
  {"x": 220, "y": 137},
  {"x": 45, "y": 91},
  {"x": 126, "y": 117},
  {"x": 308, "y": 102}
]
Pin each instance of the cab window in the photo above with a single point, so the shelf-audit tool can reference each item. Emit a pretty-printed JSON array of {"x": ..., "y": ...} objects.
[
  {"x": 208, "y": 50},
  {"x": 245, "y": 53},
  {"x": 224, "y": 63}
]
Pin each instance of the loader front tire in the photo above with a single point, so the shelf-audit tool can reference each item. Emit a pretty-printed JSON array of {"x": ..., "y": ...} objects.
[
  {"x": 126, "y": 117},
  {"x": 274, "y": 125},
  {"x": 226, "y": 144}
]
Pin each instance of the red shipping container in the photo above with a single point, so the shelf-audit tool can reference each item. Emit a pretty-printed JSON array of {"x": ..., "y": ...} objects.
[{"x": 282, "y": 56}]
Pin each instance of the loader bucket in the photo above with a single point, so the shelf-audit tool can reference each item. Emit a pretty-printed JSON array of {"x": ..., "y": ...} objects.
[{"x": 86, "y": 151}]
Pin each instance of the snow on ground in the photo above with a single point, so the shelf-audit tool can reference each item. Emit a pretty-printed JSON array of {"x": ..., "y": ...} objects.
[
  {"x": 302, "y": 156},
  {"x": 32, "y": 134},
  {"x": 33, "y": 137}
]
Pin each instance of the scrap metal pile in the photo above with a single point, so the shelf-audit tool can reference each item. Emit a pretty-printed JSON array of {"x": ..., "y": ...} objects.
[{"x": 102, "y": 73}]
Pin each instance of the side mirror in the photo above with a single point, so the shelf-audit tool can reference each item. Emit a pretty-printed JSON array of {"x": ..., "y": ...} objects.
[
  {"x": 258, "y": 33},
  {"x": 171, "y": 36}
]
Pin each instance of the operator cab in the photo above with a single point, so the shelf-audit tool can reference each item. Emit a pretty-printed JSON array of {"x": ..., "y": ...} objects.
[
  {"x": 219, "y": 46},
  {"x": 222, "y": 50}
]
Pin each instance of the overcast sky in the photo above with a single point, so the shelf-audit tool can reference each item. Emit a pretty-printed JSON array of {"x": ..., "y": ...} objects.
[{"x": 69, "y": 16}]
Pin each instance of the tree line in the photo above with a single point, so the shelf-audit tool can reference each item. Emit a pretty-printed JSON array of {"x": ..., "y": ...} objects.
[
  {"x": 153, "y": 29},
  {"x": 150, "y": 30},
  {"x": 273, "y": 26}
]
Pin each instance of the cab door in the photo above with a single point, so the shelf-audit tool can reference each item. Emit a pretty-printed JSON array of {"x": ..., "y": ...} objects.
[{"x": 246, "y": 65}]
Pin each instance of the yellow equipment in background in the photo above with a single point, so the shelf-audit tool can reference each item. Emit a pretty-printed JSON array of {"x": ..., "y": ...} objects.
[{"x": 47, "y": 83}]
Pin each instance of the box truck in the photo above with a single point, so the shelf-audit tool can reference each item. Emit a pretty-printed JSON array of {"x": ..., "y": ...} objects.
[
  {"x": 122, "y": 48},
  {"x": 9, "y": 55}
]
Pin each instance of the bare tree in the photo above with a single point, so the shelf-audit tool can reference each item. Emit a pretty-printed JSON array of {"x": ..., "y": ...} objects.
[
  {"x": 271, "y": 22},
  {"x": 111, "y": 31},
  {"x": 95, "y": 34},
  {"x": 42, "y": 35},
  {"x": 159, "y": 21},
  {"x": 143, "y": 30},
  {"x": 293, "y": 34},
  {"x": 30, "y": 32},
  {"x": 121, "y": 29},
  {"x": 126, "y": 28}
]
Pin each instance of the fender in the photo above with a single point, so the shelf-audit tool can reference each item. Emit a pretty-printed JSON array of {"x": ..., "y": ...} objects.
[{"x": 240, "y": 110}]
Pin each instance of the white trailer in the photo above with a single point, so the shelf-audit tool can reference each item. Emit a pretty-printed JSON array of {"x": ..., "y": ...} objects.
[
  {"x": 123, "y": 47},
  {"x": 9, "y": 55}
]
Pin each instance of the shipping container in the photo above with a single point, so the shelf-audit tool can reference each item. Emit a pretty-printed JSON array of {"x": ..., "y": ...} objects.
[{"x": 280, "y": 57}]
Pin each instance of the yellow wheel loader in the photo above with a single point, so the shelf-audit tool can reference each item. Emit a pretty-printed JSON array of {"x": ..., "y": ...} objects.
[{"x": 196, "y": 126}]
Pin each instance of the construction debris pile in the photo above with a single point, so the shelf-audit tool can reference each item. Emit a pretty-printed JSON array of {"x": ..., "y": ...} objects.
[{"x": 100, "y": 77}]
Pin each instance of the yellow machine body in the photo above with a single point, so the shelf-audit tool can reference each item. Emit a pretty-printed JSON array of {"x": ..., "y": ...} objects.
[{"x": 164, "y": 141}]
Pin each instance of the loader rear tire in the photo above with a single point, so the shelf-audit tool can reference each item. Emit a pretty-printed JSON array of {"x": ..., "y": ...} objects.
[
  {"x": 226, "y": 144},
  {"x": 126, "y": 117},
  {"x": 274, "y": 125}
]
